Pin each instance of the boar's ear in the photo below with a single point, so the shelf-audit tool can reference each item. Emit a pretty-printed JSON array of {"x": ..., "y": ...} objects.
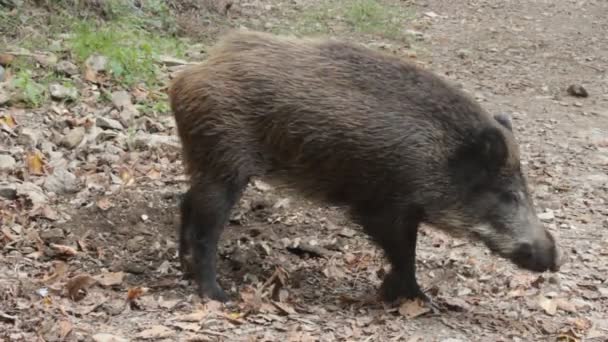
[
  {"x": 491, "y": 148},
  {"x": 480, "y": 157},
  {"x": 505, "y": 120}
]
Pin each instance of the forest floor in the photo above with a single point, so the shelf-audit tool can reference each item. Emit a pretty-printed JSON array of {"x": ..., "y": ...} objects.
[{"x": 91, "y": 177}]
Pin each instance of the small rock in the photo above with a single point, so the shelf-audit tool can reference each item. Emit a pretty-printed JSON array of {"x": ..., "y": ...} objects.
[
  {"x": 108, "y": 123},
  {"x": 32, "y": 192},
  {"x": 7, "y": 162},
  {"x": 4, "y": 96},
  {"x": 135, "y": 243},
  {"x": 97, "y": 63},
  {"x": 46, "y": 59},
  {"x": 144, "y": 140},
  {"x": 67, "y": 67},
  {"x": 431, "y": 14},
  {"x": 577, "y": 90},
  {"x": 28, "y": 137},
  {"x": 61, "y": 181},
  {"x": 171, "y": 61},
  {"x": 52, "y": 235},
  {"x": 417, "y": 34},
  {"x": 1, "y": 73},
  {"x": 546, "y": 216},
  {"x": 103, "y": 337},
  {"x": 6, "y": 59},
  {"x": 73, "y": 137},
  {"x": 463, "y": 53},
  {"x": 59, "y": 92},
  {"x": 121, "y": 99},
  {"x": 599, "y": 179},
  {"x": 8, "y": 191}
]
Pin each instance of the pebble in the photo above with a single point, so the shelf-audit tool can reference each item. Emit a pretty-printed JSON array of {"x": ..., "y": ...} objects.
[
  {"x": 2, "y": 73},
  {"x": 61, "y": 181},
  {"x": 463, "y": 53},
  {"x": 28, "y": 137},
  {"x": 52, "y": 235},
  {"x": 73, "y": 137},
  {"x": 32, "y": 192},
  {"x": 4, "y": 97},
  {"x": 145, "y": 140},
  {"x": 67, "y": 68},
  {"x": 97, "y": 63},
  {"x": 577, "y": 90},
  {"x": 7, "y": 162},
  {"x": 59, "y": 92},
  {"x": 546, "y": 216},
  {"x": 103, "y": 122},
  {"x": 8, "y": 191}
]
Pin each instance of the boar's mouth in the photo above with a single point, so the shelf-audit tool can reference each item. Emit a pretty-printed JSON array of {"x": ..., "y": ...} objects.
[{"x": 535, "y": 256}]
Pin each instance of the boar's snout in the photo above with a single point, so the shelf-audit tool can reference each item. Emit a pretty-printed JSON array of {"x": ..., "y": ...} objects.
[{"x": 538, "y": 256}]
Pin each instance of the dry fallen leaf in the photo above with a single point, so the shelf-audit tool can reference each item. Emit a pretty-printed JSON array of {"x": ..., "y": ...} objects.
[
  {"x": 126, "y": 176},
  {"x": 413, "y": 308},
  {"x": 65, "y": 328},
  {"x": 44, "y": 211},
  {"x": 565, "y": 305},
  {"x": 63, "y": 249},
  {"x": 110, "y": 278},
  {"x": 547, "y": 304},
  {"x": 155, "y": 332},
  {"x": 104, "y": 203},
  {"x": 90, "y": 74},
  {"x": 8, "y": 120},
  {"x": 136, "y": 292},
  {"x": 35, "y": 163},
  {"x": 196, "y": 316},
  {"x": 78, "y": 283},
  {"x": 60, "y": 269},
  {"x": 108, "y": 338}
]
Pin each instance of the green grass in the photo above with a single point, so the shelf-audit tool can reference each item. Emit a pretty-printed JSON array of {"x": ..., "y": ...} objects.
[
  {"x": 374, "y": 17},
  {"x": 131, "y": 51},
  {"x": 32, "y": 93}
]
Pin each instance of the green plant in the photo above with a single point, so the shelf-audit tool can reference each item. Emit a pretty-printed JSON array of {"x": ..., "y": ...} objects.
[
  {"x": 372, "y": 16},
  {"x": 131, "y": 52},
  {"x": 32, "y": 93}
]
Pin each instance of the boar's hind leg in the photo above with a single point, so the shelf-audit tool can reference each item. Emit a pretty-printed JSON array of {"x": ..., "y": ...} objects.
[
  {"x": 205, "y": 210},
  {"x": 397, "y": 237}
]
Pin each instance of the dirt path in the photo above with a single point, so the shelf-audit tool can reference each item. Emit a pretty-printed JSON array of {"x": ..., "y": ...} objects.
[{"x": 515, "y": 56}]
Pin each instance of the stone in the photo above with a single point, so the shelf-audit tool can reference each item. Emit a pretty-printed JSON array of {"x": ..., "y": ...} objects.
[
  {"x": 8, "y": 190},
  {"x": 67, "y": 67},
  {"x": 2, "y": 73},
  {"x": 32, "y": 192},
  {"x": 7, "y": 162},
  {"x": 145, "y": 140},
  {"x": 97, "y": 63},
  {"x": 108, "y": 123},
  {"x": 52, "y": 235},
  {"x": 28, "y": 137},
  {"x": 577, "y": 90},
  {"x": 73, "y": 137},
  {"x": 61, "y": 182},
  {"x": 59, "y": 92}
]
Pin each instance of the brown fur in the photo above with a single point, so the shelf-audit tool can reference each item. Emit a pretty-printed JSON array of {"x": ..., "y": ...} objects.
[{"x": 339, "y": 122}]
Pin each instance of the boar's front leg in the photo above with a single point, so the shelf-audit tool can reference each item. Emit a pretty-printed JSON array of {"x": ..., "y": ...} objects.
[
  {"x": 205, "y": 210},
  {"x": 397, "y": 235}
]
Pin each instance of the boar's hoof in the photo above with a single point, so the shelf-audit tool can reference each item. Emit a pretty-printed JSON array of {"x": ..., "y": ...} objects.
[
  {"x": 395, "y": 286},
  {"x": 212, "y": 291}
]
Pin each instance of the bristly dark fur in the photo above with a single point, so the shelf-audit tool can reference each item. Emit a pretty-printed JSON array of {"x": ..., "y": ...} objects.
[{"x": 337, "y": 122}]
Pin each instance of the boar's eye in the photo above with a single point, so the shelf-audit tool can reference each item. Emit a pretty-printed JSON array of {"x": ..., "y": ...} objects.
[{"x": 508, "y": 197}]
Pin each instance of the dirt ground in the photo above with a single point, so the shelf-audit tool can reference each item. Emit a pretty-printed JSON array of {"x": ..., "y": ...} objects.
[{"x": 101, "y": 262}]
